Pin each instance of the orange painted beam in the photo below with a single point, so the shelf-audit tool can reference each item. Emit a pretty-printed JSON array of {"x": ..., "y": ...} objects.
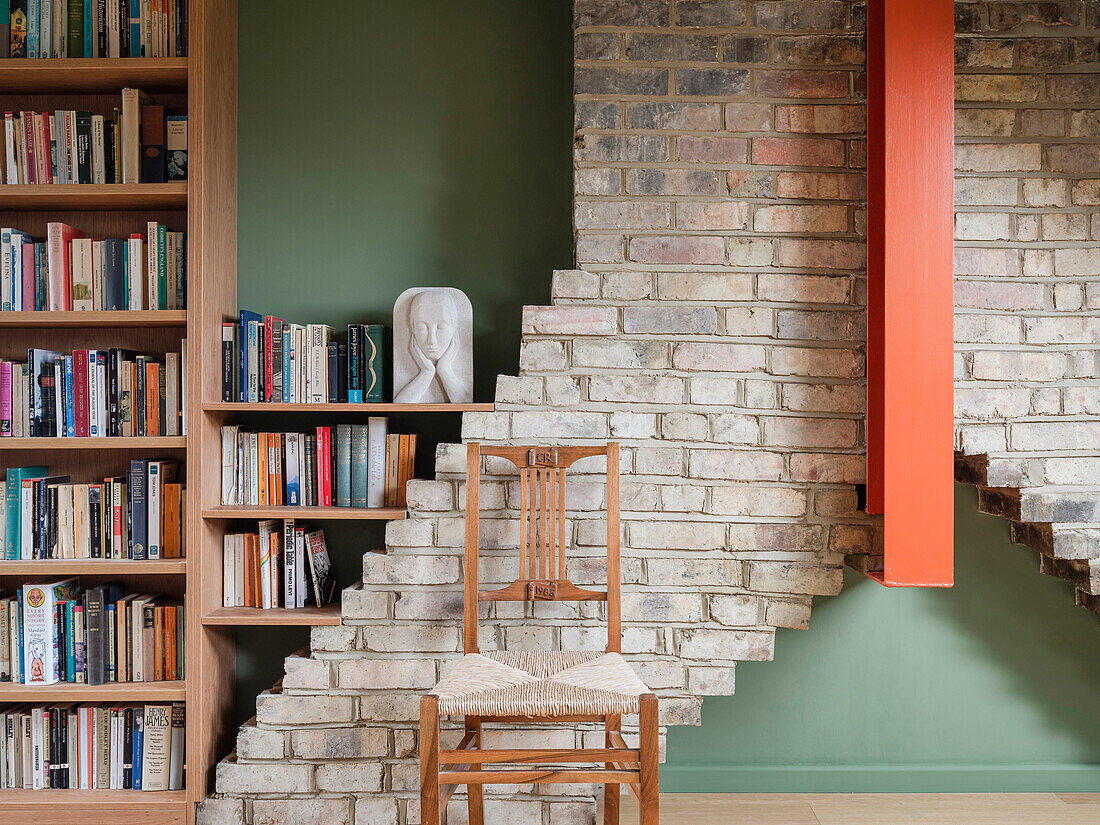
[{"x": 910, "y": 339}]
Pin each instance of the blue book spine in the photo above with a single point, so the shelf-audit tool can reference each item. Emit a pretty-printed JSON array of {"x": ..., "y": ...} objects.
[
  {"x": 114, "y": 274},
  {"x": 242, "y": 383},
  {"x": 139, "y": 516},
  {"x": 139, "y": 737},
  {"x": 109, "y": 621},
  {"x": 70, "y": 640},
  {"x": 286, "y": 363},
  {"x": 89, "y": 28},
  {"x": 32, "y": 27},
  {"x": 135, "y": 28},
  {"x": 70, "y": 417},
  {"x": 359, "y": 451}
]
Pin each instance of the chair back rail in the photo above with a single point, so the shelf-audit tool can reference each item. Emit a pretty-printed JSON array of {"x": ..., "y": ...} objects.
[{"x": 543, "y": 539}]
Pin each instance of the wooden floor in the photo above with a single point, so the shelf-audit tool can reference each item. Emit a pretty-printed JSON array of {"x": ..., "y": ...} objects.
[{"x": 873, "y": 809}]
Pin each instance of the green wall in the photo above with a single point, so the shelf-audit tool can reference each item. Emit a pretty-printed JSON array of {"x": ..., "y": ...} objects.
[
  {"x": 386, "y": 145},
  {"x": 992, "y": 685}
]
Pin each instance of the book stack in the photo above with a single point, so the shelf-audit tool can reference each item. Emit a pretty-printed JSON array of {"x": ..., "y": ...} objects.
[
  {"x": 138, "y": 516},
  {"x": 93, "y": 393},
  {"x": 273, "y": 567},
  {"x": 56, "y": 633},
  {"x": 92, "y": 747},
  {"x": 266, "y": 359},
  {"x": 93, "y": 28},
  {"x": 349, "y": 465},
  {"x": 131, "y": 145},
  {"x": 70, "y": 271}
]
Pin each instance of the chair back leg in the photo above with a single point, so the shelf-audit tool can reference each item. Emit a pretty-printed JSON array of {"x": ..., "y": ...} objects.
[
  {"x": 429, "y": 761},
  {"x": 648, "y": 769}
]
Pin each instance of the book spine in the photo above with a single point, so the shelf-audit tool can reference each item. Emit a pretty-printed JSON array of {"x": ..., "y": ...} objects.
[
  {"x": 355, "y": 363},
  {"x": 377, "y": 427},
  {"x": 343, "y": 465},
  {"x": 359, "y": 461}
]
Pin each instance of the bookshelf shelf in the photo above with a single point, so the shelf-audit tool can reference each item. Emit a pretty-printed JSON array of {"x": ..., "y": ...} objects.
[
  {"x": 281, "y": 617},
  {"x": 367, "y": 409},
  {"x": 55, "y": 807},
  {"x": 93, "y": 320},
  {"x": 131, "y": 444},
  {"x": 93, "y": 567},
  {"x": 113, "y": 692},
  {"x": 108, "y": 75},
  {"x": 314, "y": 513},
  {"x": 57, "y": 197}
]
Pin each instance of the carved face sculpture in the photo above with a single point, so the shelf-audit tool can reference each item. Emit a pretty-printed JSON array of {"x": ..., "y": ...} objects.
[{"x": 432, "y": 318}]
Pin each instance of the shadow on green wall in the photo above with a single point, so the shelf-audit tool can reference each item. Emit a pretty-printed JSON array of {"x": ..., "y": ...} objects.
[
  {"x": 993, "y": 685},
  {"x": 390, "y": 145}
]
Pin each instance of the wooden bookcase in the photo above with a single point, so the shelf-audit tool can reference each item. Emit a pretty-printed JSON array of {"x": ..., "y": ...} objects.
[{"x": 204, "y": 84}]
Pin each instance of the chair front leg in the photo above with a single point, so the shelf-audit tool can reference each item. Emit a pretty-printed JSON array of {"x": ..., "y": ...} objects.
[
  {"x": 475, "y": 794},
  {"x": 429, "y": 760},
  {"x": 612, "y": 790},
  {"x": 649, "y": 746}
]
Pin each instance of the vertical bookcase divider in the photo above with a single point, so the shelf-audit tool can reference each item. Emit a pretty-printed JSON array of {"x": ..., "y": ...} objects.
[{"x": 212, "y": 297}]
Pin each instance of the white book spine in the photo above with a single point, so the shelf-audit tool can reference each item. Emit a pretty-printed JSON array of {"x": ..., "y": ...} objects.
[
  {"x": 377, "y": 427},
  {"x": 238, "y": 565},
  {"x": 7, "y": 278},
  {"x": 137, "y": 274},
  {"x": 229, "y": 587},
  {"x": 26, "y": 516},
  {"x": 36, "y": 749},
  {"x": 99, "y": 165},
  {"x": 11, "y": 165},
  {"x": 97, "y": 275},
  {"x": 137, "y": 623},
  {"x": 156, "y": 487},
  {"x": 229, "y": 466},
  {"x": 152, "y": 289},
  {"x": 101, "y": 379}
]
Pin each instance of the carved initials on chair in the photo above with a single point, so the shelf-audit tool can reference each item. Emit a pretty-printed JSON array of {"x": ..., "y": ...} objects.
[
  {"x": 542, "y": 457},
  {"x": 542, "y": 591}
]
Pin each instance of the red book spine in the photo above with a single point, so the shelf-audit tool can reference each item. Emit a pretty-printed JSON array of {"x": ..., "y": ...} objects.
[
  {"x": 80, "y": 391},
  {"x": 28, "y": 277},
  {"x": 268, "y": 395},
  {"x": 324, "y": 473},
  {"x": 27, "y": 119}
]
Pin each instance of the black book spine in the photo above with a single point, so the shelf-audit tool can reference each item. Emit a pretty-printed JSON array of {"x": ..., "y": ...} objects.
[
  {"x": 84, "y": 147},
  {"x": 47, "y": 383},
  {"x": 59, "y": 640},
  {"x": 95, "y": 655},
  {"x": 261, "y": 372},
  {"x": 51, "y": 522},
  {"x": 123, "y": 28},
  {"x": 101, "y": 26},
  {"x": 333, "y": 354},
  {"x": 227, "y": 371},
  {"x": 138, "y": 414},
  {"x": 63, "y": 747},
  {"x": 54, "y": 750},
  {"x": 36, "y": 527},
  {"x": 109, "y": 150},
  {"x": 341, "y": 372},
  {"x": 112, "y": 392},
  {"x": 128, "y": 750}
]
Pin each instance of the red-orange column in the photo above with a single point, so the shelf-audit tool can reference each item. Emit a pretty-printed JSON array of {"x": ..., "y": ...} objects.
[{"x": 910, "y": 177}]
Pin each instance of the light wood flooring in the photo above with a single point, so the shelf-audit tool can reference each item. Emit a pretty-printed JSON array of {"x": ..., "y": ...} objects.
[{"x": 873, "y": 809}]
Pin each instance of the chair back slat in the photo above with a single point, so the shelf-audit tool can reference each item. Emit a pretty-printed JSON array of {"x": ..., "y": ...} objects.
[{"x": 543, "y": 536}]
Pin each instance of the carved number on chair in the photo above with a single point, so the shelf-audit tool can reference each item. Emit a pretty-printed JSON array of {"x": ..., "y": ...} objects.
[
  {"x": 542, "y": 591},
  {"x": 542, "y": 457}
]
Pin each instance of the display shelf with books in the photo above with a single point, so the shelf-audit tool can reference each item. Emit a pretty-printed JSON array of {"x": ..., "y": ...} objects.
[
  {"x": 57, "y": 197},
  {"x": 93, "y": 567},
  {"x": 131, "y": 443},
  {"x": 315, "y": 513},
  {"x": 372, "y": 408}
]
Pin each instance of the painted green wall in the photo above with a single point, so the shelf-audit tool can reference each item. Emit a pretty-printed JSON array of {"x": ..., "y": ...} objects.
[
  {"x": 992, "y": 685},
  {"x": 386, "y": 145}
]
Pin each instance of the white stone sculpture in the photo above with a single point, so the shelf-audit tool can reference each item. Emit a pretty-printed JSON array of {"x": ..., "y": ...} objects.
[{"x": 433, "y": 346}]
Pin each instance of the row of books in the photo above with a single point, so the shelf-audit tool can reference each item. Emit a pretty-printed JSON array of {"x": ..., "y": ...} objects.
[
  {"x": 70, "y": 271},
  {"x": 138, "y": 516},
  {"x": 94, "y": 28},
  {"x": 273, "y": 567},
  {"x": 92, "y": 747},
  {"x": 139, "y": 143},
  {"x": 267, "y": 359},
  {"x": 349, "y": 465},
  {"x": 93, "y": 394},
  {"x": 55, "y": 633}
]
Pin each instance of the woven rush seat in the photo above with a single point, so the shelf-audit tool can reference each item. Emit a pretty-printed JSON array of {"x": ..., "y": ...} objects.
[{"x": 539, "y": 683}]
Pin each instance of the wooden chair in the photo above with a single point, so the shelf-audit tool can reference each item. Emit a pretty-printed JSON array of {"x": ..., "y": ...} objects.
[{"x": 539, "y": 687}]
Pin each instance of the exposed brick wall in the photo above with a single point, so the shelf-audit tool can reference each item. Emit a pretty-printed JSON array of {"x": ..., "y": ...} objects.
[
  {"x": 716, "y": 328},
  {"x": 1027, "y": 287}
]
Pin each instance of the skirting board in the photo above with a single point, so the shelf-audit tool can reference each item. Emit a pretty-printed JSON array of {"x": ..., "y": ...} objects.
[{"x": 1015, "y": 778}]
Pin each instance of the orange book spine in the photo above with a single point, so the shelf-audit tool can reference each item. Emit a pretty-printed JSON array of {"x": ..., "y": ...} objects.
[
  {"x": 158, "y": 644},
  {"x": 152, "y": 399},
  {"x": 170, "y": 643},
  {"x": 170, "y": 528}
]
